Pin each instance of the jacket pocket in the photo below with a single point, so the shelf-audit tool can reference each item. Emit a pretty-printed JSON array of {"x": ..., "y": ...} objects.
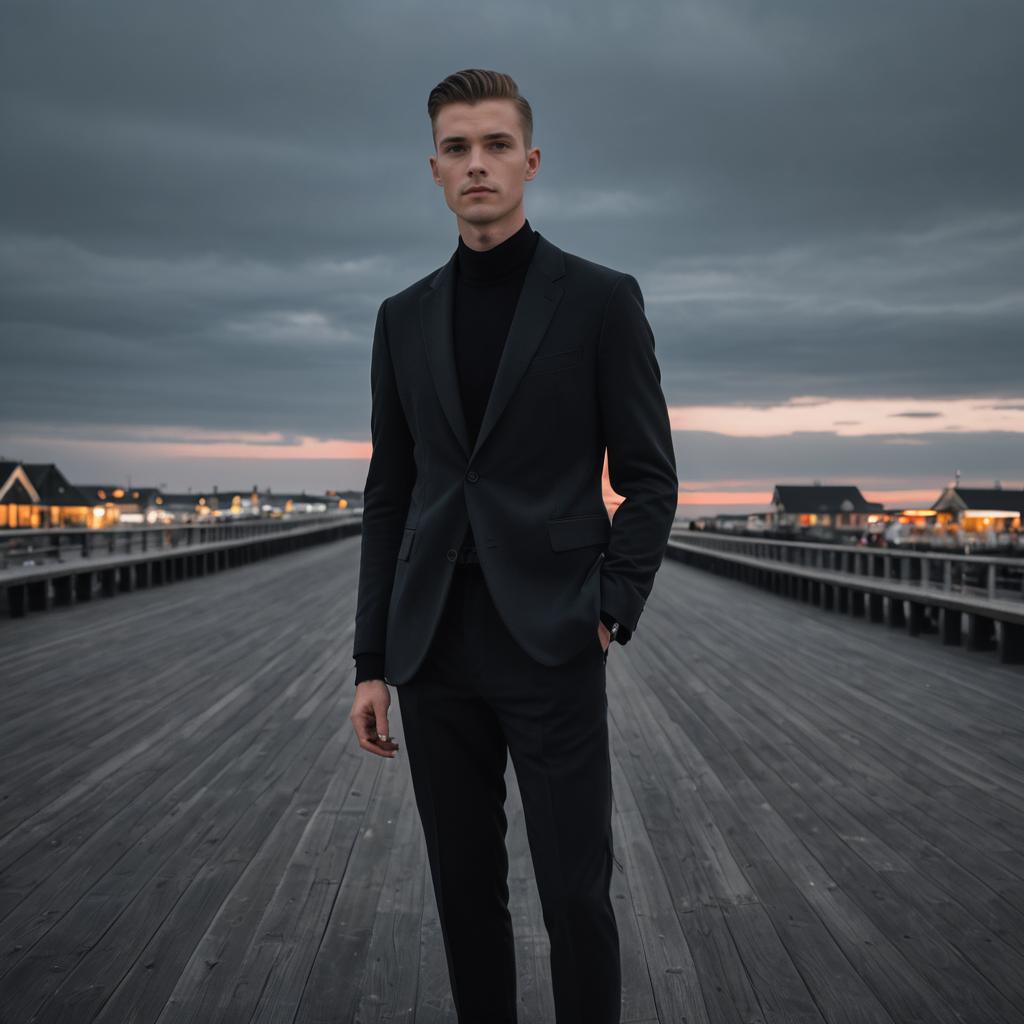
[{"x": 578, "y": 531}]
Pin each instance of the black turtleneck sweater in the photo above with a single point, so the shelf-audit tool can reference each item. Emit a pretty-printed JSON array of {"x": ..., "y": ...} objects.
[{"x": 487, "y": 287}]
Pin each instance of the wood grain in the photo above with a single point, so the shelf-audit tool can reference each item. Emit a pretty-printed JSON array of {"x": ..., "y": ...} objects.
[{"x": 817, "y": 819}]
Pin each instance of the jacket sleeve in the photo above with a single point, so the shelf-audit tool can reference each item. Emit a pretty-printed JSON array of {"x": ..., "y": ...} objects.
[
  {"x": 641, "y": 457},
  {"x": 622, "y": 636},
  {"x": 386, "y": 497},
  {"x": 369, "y": 665}
]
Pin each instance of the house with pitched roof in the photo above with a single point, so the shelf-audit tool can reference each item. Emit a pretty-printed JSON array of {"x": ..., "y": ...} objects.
[
  {"x": 980, "y": 510},
  {"x": 820, "y": 508},
  {"x": 37, "y": 495}
]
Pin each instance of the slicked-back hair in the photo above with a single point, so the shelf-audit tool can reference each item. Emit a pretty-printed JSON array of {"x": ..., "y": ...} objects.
[{"x": 474, "y": 84}]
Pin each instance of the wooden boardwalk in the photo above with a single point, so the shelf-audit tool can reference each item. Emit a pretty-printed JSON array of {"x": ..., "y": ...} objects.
[{"x": 818, "y": 819}]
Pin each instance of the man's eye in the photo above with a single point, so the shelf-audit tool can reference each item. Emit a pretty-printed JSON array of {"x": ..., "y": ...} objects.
[{"x": 505, "y": 144}]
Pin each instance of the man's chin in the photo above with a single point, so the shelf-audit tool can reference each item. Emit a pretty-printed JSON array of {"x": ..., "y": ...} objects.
[{"x": 478, "y": 214}]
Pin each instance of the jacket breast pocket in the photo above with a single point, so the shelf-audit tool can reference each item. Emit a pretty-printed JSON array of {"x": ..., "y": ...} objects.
[
  {"x": 579, "y": 531},
  {"x": 406, "y": 546},
  {"x": 551, "y": 361}
]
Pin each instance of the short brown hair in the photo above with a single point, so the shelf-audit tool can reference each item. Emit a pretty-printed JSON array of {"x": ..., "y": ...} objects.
[{"x": 474, "y": 84}]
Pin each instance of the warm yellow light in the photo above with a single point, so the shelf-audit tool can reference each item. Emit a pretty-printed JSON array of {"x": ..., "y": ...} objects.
[
  {"x": 101, "y": 493},
  {"x": 99, "y": 512},
  {"x": 119, "y": 493}
]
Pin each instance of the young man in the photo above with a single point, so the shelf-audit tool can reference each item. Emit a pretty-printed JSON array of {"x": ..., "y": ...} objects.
[{"x": 491, "y": 581}]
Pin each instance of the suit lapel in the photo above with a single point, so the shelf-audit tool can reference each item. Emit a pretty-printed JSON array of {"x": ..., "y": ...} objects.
[
  {"x": 436, "y": 319},
  {"x": 537, "y": 303}
]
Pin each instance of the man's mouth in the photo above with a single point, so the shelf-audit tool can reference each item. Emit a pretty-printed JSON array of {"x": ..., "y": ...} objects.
[{"x": 470, "y": 191}]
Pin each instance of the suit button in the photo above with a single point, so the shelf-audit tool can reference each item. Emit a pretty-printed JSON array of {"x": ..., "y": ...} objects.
[
  {"x": 452, "y": 554},
  {"x": 472, "y": 476}
]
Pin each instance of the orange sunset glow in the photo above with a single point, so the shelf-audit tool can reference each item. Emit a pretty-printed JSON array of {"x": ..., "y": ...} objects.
[{"x": 853, "y": 417}]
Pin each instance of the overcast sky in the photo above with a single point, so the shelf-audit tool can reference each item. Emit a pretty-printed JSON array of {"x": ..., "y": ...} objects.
[{"x": 203, "y": 205}]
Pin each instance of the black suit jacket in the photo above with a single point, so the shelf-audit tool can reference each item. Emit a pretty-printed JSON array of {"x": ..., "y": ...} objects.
[{"x": 577, "y": 374}]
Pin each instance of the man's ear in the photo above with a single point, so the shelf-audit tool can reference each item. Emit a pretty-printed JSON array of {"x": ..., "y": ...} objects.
[{"x": 530, "y": 175}]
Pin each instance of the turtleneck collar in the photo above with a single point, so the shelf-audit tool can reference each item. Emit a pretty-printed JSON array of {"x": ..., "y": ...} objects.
[{"x": 492, "y": 264}]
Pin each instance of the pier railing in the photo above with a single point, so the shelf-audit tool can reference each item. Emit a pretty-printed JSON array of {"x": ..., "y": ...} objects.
[
  {"x": 20, "y": 548},
  {"x": 923, "y": 591},
  {"x": 41, "y": 568}
]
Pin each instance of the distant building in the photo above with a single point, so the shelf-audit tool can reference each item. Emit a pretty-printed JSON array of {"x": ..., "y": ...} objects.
[
  {"x": 729, "y": 522},
  {"x": 113, "y": 504},
  {"x": 217, "y": 504},
  {"x": 797, "y": 507},
  {"x": 291, "y": 503},
  {"x": 980, "y": 509},
  {"x": 36, "y": 495},
  {"x": 347, "y": 499},
  {"x": 188, "y": 507},
  {"x": 757, "y": 522},
  {"x": 39, "y": 496}
]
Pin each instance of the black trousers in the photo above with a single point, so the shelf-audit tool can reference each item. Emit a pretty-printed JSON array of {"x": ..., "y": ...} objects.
[{"x": 478, "y": 697}]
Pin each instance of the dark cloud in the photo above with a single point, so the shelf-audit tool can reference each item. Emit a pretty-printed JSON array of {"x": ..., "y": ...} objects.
[{"x": 203, "y": 205}]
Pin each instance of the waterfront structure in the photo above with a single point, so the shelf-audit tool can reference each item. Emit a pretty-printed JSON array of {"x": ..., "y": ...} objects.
[
  {"x": 797, "y": 507},
  {"x": 113, "y": 504},
  {"x": 985, "y": 511},
  {"x": 37, "y": 495},
  {"x": 190, "y": 836}
]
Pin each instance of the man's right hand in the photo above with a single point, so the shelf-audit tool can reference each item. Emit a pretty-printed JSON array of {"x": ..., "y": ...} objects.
[{"x": 369, "y": 717}]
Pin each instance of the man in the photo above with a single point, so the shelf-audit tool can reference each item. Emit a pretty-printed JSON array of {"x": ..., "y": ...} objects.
[{"x": 491, "y": 581}]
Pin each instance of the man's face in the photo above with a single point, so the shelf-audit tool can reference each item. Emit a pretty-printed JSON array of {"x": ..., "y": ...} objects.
[{"x": 481, "y": 160}]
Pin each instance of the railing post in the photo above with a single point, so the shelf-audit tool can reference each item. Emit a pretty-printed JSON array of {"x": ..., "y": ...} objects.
[
  {"x": 1011, "y": 643},
  {"x": 950, "y": 626},
  {"x": 915, "y": 618},
  {"x": 980, "y": 632},
  {"x": 894, "y": 615}
]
